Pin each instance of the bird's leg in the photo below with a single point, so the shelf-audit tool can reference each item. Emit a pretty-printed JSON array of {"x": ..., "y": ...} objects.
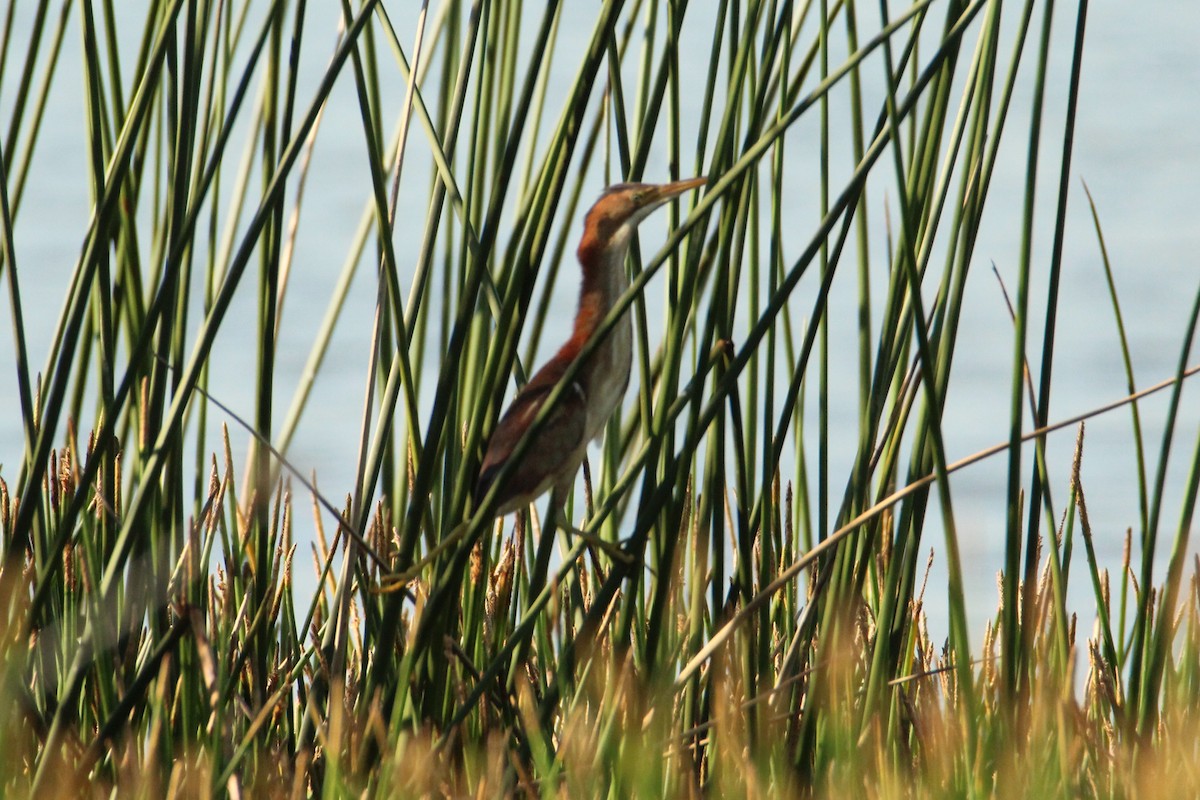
[
  {"x": 541, "y": 564},
  {"x": 555, "y": 520},
  {"x": 590, "y": 511},
  {"x": 537, "y": 582},
  {"x": 612, "y": 549}
]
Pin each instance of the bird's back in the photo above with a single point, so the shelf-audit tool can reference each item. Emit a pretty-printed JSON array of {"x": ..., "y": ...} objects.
[{"x": 557, "y": 447}]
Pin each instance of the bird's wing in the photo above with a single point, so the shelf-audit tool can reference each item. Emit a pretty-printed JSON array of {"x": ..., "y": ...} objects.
[{"x": 555, "y": 445}]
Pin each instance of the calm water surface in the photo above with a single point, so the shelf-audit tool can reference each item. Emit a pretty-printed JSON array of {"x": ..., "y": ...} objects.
[{"x": 1136, "y": 148}]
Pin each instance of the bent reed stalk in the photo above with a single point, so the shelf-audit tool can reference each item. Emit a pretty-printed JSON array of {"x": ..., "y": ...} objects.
[{"x": 748, "y": 608}]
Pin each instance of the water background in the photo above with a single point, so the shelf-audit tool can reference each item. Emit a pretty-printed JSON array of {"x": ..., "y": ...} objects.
[{"x": 1136, "y": 147}]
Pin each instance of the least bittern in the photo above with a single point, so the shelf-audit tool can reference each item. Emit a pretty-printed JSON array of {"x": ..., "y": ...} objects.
[{"x": 559, "y": 446}]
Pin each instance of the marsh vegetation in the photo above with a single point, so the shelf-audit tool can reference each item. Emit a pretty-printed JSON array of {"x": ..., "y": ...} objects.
[{"x": 754, "y": 621}]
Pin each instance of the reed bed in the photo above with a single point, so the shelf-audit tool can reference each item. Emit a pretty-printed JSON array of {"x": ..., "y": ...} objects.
[{"x": 746, "y": 614}]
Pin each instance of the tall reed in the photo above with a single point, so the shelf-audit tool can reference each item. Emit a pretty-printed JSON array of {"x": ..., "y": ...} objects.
[{"x": 755, "y": 619}]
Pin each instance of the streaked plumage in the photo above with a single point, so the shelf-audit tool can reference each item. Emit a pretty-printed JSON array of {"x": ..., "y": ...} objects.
[{"x": 584, "y": 409}]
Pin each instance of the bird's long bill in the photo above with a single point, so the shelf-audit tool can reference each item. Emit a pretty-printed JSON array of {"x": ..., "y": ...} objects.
[{"x": 666, "y": 191}]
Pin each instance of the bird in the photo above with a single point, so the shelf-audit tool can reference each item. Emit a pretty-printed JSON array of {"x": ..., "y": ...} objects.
[{"x": 579, "y": 416}]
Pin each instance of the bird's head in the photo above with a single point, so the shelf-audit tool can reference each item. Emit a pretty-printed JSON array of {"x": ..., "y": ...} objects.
[{"x": 611, "y": 221}]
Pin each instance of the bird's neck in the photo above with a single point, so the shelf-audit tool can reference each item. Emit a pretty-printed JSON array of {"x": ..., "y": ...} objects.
[
  {"x": 605, "y": 375},
  {"x": 604, "y": 282}
]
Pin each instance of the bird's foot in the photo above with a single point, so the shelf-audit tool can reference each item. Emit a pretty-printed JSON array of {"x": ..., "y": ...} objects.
[{"x": 611, "y": 549}]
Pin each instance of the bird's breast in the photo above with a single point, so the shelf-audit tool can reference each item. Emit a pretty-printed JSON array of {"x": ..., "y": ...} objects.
[
  {"x": 609, "y": 376},
  {"x": 606, "y": 375}
]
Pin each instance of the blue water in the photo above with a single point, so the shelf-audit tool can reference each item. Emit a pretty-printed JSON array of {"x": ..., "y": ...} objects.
[{"x": 1136, "y": 147}]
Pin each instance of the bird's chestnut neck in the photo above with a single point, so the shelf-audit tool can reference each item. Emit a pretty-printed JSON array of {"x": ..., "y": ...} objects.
[{"x": 602, "y": 261}]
